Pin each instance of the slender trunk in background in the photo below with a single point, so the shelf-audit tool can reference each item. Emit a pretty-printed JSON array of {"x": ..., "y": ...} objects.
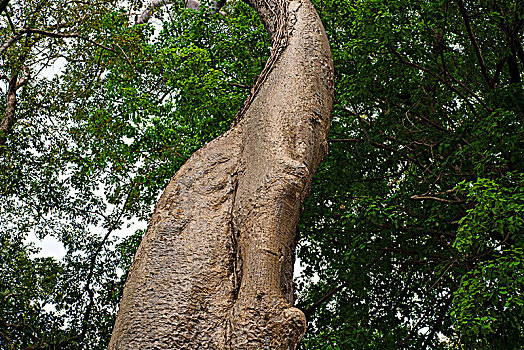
[
  {"x": 215, "y": 268},
  {"x": 9, "y": 118}
]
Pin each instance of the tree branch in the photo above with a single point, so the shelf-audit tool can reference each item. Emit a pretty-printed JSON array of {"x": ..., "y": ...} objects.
[
  {"x": 327, "y": 296},
  {"x": 24, "y": 31},
  {"x": 240, "y": 86},
  {"x": 66, "y": 35},
  {"x": 498, "y": 70},
  {"x": 11, "y": 41},
  {"x": 438, "y": 322},
  {"x": 446, "y": 82},
  {"x": 146, "y": 15},
  {"x": 9, "y": 115},
  {"x": 438, "y": 199},
  {"x": 92, "y": 263},
  {"x": 24, "y": 79},
  {"x": 190, "y": 4},
  {"x": 514, "y": 42},
  {"x": 346, "y": 140},
  {"x": 475, "y": 43},
  {"x": 333, "y": 291}
]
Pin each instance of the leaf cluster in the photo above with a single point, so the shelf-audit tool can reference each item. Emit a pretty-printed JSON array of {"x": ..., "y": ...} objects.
[{"x": 420, "y": 192}]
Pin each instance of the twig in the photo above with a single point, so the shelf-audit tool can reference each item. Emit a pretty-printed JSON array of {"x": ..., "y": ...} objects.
[
  {"x": 446, "y": 82},
  {"x": 93, "y": 263},
  {"x": 240, "y": 86},
  {"x": 24, "y": 31},
  {"x": 333, "y": 291},
  {"x": 127, "y": 57},
  {"x": 442, "y": 274},
  {"x": 438, "y": 199}
]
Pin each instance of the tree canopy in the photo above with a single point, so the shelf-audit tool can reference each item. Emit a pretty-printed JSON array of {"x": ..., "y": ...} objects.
[{"x": 412, "y": 235}]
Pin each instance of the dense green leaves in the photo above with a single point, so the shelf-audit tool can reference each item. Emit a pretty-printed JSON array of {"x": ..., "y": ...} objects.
[{"x": 415, "y": 217}]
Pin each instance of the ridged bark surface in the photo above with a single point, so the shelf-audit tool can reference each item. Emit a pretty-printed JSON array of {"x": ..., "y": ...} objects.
[{"x": 215, "y": 268}]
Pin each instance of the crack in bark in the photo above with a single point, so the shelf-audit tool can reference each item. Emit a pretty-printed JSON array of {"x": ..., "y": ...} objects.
[{"x": 236, "y": 263}]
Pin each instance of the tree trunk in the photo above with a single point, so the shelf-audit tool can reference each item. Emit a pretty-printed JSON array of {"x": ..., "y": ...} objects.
[
  {"x": 215, "y": 268},
  {"x": 8, "y": 119}
]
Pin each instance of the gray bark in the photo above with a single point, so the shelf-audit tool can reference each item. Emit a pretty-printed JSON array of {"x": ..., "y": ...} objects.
[{"x": 215, "y": 268}]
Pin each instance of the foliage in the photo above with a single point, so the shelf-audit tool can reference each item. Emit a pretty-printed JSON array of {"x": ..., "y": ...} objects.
[
  {"x": 26, "y": 286},
  {"x": 95, "y": 142},
  {"x": 489, "y": 302},
  {"x": 412, "y": 235}
]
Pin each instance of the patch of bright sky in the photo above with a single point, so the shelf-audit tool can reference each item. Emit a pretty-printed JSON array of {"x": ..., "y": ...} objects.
[{"x": 49, "y": 247}]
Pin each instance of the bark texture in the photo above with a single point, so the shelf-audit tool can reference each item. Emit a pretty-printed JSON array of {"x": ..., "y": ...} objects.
[
  {"x": 215, "y": 268},
  {"x": 8, "y": 120}
]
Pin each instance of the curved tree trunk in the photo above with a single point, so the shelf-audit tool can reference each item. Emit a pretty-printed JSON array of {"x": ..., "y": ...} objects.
[{"x": 215, "y": 268}]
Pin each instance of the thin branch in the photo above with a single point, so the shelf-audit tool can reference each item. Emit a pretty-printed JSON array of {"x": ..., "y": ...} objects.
[
  {"x": 146, "y": 15},
  {"x": 11, "y": 41},
  {"x": 347, "y": 140},
  {"x": 446, "y": 82},
  {"x": 438, "y": 199},
  {"x": 3, "y": 335},
  {"x": 13, "y": 29},
  {"x": 327, "y": 296},
  {"x": 498, "y": 70},
  {"x": 490, "y": 251},
  {"x": 386, "y": 147},
  {"x": 240, "y": 86},
  {"x": 155, "y": 4},
  {"x": 475, "y": 43},
  {"x": 24, "y": 31},
  {"x": 440, "y": 319},
  {"x": 94, "y": 257},
  {"x": 127, "y": 57},
  {"x": 443, "y": 273},
  {"x": 37, "y": 346},
  {"x": 65, "y": 35},
  {"x": 410, "y": 335},
  {"x": 333, "y": 291},
  {"x": 95, "y": 76}
]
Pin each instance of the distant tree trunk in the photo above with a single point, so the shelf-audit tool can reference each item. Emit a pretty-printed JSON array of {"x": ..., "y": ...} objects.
[
  {"x": 8, "y": 120},
  {"x": 215, "y": 268}
]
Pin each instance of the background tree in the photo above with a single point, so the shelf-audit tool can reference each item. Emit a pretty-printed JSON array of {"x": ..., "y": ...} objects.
[
  {"x": 92, "y": 146},
  {"x": 412, "y": 237}
]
